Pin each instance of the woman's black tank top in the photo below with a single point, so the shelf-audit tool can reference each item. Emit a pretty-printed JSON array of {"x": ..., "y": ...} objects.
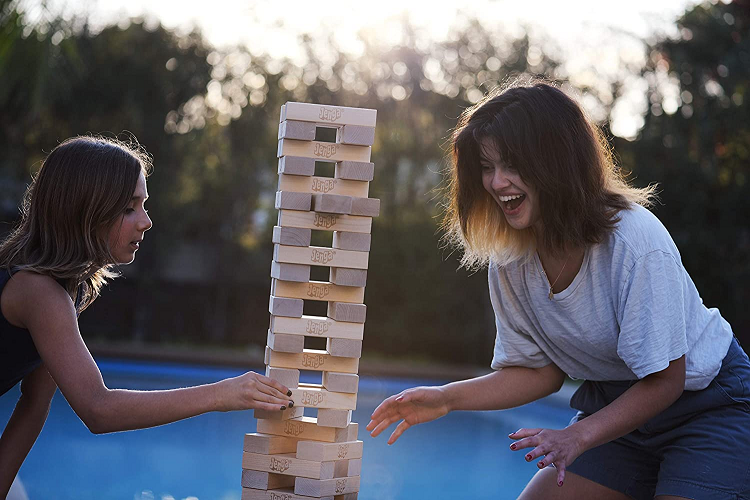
[{"x": 18, "y": 355}]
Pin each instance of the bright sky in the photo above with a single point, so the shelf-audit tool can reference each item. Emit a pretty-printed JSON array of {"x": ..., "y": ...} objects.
[{"x": 592, "y": 35}]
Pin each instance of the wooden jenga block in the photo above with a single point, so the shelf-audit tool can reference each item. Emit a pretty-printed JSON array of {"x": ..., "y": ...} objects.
[
  {"x": 286, "y": 376},
  {"x": 347, "y": 468},
  {"x": 348, "y": 277},
  {"x": 314, "y": 396},
  {"x": 307, "y": 428},
  {"x": 317, "y": 290},
  {"x": 369, "y": 207},
  {"x": 266, "y": 481},
  {"x": 332, "y": 203},
  {"x": 287, "y": 414},
  {"x": 284, "y": 306},
  {"x": 323, "y": 185},
  {"x": 293, "y": 129},
  {"x": 286, "y": 493},
  {"x": 325, "y": 222},
  {"x": 334, "y": 418},
  {"x": 319, "y": 488},
  {"x": 285, "y": 343},
  {"x": 323, "y": 151},
  {"x": 336, "y": 115},
  {"x": 297, "y": 166},
  {"x": 287, "y": 463},
  {"x": 326, "y": 452},
  {"x": 290, "y": 272},
  {"x": 312, "y": 359},
  {"x": 343, "y": 240},
  {"x": 293, "y": 236},
  {"x": 356, "y": 134},
  {"x": 354, "y": 170},
  {"x": 340, "y": 311},
  {"x": 317, "y": 326},
  {"x": 289, "y": 200},
  {"x": 320, "y": 256},
  {"x": 269, "y": 444},
  {"x": 344, "y": 348},
  {"x": 341, "y": 382}
]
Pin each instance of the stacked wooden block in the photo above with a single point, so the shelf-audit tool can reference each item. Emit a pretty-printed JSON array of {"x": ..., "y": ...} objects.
[{"x": 294, "y": 455}]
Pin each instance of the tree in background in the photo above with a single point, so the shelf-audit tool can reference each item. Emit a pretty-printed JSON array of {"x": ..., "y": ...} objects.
[{"x": 696, "y": 145}]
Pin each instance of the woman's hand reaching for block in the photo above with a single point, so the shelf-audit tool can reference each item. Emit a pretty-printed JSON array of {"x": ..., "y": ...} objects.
[
  {"x": 253, "y": 391},
  {"x": 412, "y": 406}
]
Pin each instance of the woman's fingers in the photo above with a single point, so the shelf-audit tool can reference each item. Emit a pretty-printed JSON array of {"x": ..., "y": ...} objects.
[
  {"x": 283, "y": 391},
  {"x": 522, "y": 433},
  {"x": 383, "y": 425},
  {"x": 400, "y": 428},
  {"x": 384, "y": 407},
  {"x": 560, "y": 472}
]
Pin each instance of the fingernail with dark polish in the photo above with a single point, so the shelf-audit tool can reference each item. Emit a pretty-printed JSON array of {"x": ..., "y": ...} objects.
[
  {"x": 559, "y": 483},
  {"x": 283, "y": 408},
  {"x": 528, "y": 458},
  {"x": 291, "y": 403},
  {"x": 289, "y": 392},
  {"x": 513, "y": 446}
]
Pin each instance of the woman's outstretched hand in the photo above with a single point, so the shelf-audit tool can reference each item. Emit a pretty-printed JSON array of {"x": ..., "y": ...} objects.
[
  {"x": 559, "y": 447},
  {"x": 253, "y": 391},
  {"x": 412, "y": 406}
]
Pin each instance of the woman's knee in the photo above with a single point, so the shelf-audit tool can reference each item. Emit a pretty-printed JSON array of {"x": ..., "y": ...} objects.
[{"x": 543, "y": 486}]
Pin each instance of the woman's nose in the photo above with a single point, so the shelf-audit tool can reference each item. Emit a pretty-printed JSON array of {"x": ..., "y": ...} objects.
[{"x": 499, "y": 180}]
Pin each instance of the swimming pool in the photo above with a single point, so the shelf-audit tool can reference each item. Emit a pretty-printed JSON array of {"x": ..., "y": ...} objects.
[{"x": 463, "y": 455}]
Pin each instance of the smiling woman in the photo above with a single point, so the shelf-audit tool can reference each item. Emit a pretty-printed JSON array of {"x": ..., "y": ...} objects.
[{"x": 83, "y": 214}]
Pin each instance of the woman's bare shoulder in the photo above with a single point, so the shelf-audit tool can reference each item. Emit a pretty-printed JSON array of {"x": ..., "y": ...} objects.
[{"x": 28, "y": 293}]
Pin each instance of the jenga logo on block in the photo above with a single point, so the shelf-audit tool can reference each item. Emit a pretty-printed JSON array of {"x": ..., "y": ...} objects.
[
  {"x": 311, "y": 398},
  {"x": 322, "y": 185},
  {"x": 343, "y": 450},
  {"x": 340, "y": 486},
  {"x": 313, "y": 360},
  {"x": 330, "y": 114},
  {"x": 325, "y": 150},
  {"x": 316, "y": 327},
  {"x": 325, "y": 221},
  {"x": 279, "y": 496},
  {"x": 318, "y": 291},
  {"x": 293, "y": 428},
  {"x": 280, "y": 464},
  {"x": 322, "y": 256}
]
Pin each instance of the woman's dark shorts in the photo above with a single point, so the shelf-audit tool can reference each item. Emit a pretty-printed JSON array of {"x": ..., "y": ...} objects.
[{"x": 697, "y": 448}]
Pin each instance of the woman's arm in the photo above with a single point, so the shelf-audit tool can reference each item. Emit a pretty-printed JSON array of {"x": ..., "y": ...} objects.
[
  {"x": 25, "y": 424},
  {"x": 505, "y": 388},
  {"x": 39, "y": 304},
  {"x": 641, "y": 402}
]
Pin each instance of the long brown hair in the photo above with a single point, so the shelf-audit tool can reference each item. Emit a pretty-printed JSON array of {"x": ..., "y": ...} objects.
[
  {"x": 81, "y": 190},
  {"x": 543, "y": 134}
]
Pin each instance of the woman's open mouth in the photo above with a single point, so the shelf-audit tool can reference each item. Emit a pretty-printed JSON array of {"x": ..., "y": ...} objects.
[{"x": 510, "y": 204}]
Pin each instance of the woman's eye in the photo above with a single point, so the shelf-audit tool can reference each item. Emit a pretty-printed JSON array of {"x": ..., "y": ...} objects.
[{"x": 129, "y": 210}]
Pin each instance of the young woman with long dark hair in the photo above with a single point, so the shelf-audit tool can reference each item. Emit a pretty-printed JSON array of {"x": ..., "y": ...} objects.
[
  {"x": 83, "y": 214},
  {"x": 586, "y": 282}
]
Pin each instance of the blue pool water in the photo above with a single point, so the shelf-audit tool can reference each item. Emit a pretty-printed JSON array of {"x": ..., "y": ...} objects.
[{"x": 463, "y": 455}]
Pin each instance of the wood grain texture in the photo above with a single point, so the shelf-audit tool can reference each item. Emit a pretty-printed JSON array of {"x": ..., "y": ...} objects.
[
  {"x": 293, "y": 236},
  {"x": 347, "y": 277},
  {"x": 284, "y": 306},
  {"x": 296, "y": 166},
  {"x": 317, "y": 326},
  {"x": 307, "y": 428},
  {"x": 341, "y": 382},
  {"x": 287, "y": 414},
  {"x": 354, "y": 170},
  {"x": 323, "y": 151},
  {"x": 321, "y": 256},
  {"x": 356, "y": 134},
  {"x": 269, "y": 444},
  {"x": 325, "y": 222},
  {"x": 267, "y": 481},
  {"x": 332, "y": 203},
  {"x": 323, "y": 185},
  {"x": 327, "y": 115},
  {"x": 359, "y": 242},
  {"x": 285, "y": 376},
  {"x": 319, "y": 488},
  {"x": 354, "y": 313},
  {"x": 290, "y": 272},
  {"x": 296, "y": 129},
  {"x": 325, "y": 452},
  {"x": 369, "y": 207},
  {"x": 344, "y": 348},
  {"x": 312, "y": 359},
  {"x": 278, "y": 342},
  {"x": 315, "y": 396},
  {"x": 290, "y": 200},
  {"x": 334, "y": 418},
  {"x": 317, "y": 290},
  {"x": 288, "y": 464}
]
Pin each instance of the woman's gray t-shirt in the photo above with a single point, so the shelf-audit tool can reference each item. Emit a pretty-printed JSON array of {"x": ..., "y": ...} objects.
[{"x": 631, "y": 309}]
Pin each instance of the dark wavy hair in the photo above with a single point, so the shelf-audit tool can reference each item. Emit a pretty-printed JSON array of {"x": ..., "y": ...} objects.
[
  {"x": 545, "y": 135},
  {"x": 79, "y": 193}
]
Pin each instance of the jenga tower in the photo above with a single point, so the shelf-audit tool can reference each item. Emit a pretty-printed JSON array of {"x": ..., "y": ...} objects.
[{"x": 294, "y": 456}]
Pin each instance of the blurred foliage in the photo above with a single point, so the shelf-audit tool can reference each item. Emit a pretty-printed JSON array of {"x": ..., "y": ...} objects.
[
  {"x": 696, "y": 145},
  {"x": 209, "y": 117}
]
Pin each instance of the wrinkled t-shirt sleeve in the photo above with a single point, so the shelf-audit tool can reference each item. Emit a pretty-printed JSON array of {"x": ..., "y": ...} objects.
[
  {"x": 512, "y": 346},
  {"x": 651, "y": 314}
]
